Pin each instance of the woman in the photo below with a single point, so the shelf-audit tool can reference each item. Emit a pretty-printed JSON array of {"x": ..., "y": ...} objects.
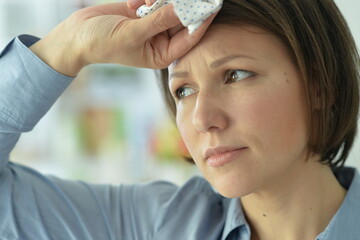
[
  {"x": 265, "y": 102},
  {"x": 267, "y": 105}
]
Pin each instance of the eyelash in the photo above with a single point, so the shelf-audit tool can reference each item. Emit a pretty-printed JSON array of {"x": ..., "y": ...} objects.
[
  {"x": 245, "y": 72},
  {"x": 229, "y": 74}
]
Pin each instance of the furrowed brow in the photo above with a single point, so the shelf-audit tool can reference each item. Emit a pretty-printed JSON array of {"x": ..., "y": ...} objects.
[
  {"x": 215, "y": 64},
  {"x": 223, "y": 60}
]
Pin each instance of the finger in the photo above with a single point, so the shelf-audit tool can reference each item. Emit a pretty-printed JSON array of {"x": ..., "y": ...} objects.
[
  {"x": 150, "y": 2},
  {"x": 182, "y": 42},
  {"x": 110, "y": 9},
  {"x": 159, "y": 21},
  {"x": 175, "y": 30},
  {"x": 135, "y": 4}
]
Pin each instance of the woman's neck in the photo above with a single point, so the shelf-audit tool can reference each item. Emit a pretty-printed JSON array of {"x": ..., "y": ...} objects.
[{"x": 297, "y": 206}]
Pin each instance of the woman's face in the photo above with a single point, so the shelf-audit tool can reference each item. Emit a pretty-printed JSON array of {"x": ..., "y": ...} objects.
[{"x": 240, "y": 109}]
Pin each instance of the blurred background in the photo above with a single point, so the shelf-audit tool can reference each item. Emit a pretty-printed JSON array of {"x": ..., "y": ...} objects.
[{"x": 111, "y": 125}]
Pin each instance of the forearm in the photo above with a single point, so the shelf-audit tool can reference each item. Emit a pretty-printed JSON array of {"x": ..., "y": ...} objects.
[{"x": 28, "y": 87}]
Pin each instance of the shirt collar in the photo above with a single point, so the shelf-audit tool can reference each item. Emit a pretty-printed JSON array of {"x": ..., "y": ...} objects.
[
  {"x": 344, "y": 225},
  {"x": 235, "y": 218}
]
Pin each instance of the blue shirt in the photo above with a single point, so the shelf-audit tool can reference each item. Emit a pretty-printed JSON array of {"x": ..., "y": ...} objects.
[{"x": 36, "y": 207}]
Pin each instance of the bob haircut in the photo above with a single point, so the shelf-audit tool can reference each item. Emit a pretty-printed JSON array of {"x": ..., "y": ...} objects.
[{"x": 319, "y": 40}]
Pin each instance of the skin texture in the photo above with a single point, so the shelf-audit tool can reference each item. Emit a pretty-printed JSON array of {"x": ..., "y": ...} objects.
[{"x": 264, "y": 113}]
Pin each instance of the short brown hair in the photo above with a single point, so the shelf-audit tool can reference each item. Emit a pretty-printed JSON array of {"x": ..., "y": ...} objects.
[{"x": 317, "y": 36}]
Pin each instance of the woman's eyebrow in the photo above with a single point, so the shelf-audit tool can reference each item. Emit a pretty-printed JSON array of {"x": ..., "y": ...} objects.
[
  {"x": 221, "y": 61},
  {"x": 179, "y": 75},
  {"x": 215, "y": 64}
]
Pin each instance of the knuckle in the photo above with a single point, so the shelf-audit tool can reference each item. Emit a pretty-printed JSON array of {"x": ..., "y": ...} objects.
[
  {"x": 158, "y": 60},
  {"x": 159, "y": 21}
]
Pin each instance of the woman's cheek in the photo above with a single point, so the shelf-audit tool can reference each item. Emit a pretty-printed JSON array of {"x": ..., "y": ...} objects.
[
  {"x": 277, "y": 119},
  {"x": 184, "y": 124},
  {"x": 261, "y": 116}
]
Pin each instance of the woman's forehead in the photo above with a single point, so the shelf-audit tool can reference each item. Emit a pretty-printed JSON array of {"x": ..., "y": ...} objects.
[{"x": 224, "y": 42}]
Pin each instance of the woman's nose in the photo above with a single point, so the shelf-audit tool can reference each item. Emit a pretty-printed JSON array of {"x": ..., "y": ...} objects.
[{"x": 209, "y": 113}]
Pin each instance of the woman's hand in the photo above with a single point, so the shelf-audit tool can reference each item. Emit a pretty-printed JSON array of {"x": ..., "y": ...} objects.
[{"x": 112, "y": 33}]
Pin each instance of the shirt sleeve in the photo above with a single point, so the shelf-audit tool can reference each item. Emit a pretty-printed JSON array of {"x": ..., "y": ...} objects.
[
  {"x": 29, "y": 87},
  {"x": 35, "y": 206}
]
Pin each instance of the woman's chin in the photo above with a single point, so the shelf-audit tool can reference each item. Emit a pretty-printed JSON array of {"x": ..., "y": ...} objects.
[{"x": 231, "y": 188}]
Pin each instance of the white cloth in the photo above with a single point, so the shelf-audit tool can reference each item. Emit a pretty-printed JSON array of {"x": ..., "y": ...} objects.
[{"x": 192, "y": 13}]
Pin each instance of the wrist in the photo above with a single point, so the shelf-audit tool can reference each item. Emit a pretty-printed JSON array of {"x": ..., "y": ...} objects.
[{"x": 59, "y": 54}]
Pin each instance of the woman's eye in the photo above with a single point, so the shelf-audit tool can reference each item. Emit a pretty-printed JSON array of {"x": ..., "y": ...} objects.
[
  {"x": 183, "y": 92},
  {"x": 237, "y": 75}
]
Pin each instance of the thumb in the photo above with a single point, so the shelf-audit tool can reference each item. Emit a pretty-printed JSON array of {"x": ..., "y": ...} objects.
[{"x": 159, "y": 21}]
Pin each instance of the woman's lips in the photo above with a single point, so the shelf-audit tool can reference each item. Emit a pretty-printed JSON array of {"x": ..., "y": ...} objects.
[{"x": 217, "y": 157}]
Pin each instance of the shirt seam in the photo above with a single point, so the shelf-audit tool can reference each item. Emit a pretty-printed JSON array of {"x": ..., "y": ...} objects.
[{"x": 10, "y": 119}]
